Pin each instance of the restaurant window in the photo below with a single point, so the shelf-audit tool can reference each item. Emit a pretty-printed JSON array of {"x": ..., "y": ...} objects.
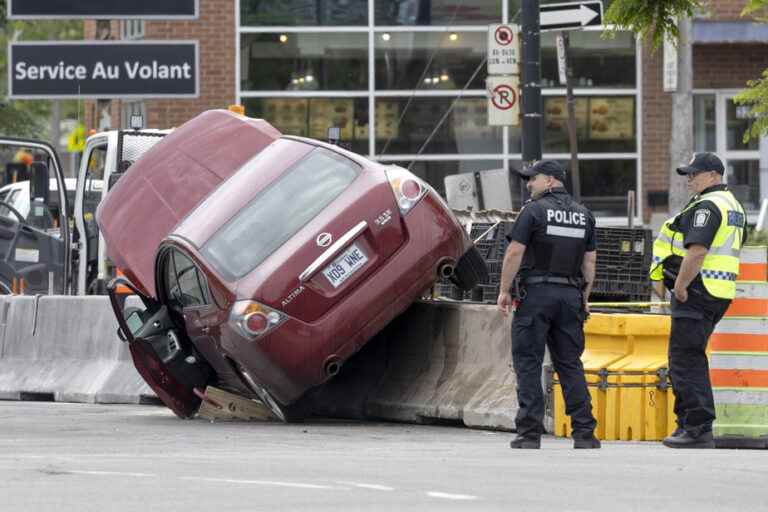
[
  {"x": 604, "y": 124},
  {"x": 304, "y": 61},
  {"x": 300, "y": 12},
  {"x": 311, "y": 117},
  {"x": 450, "y": 59},
  {"x": 465, "y": 130}
]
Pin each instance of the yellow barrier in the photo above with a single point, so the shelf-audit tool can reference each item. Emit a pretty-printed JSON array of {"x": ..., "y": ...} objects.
[{"x": 625, "y": 363}]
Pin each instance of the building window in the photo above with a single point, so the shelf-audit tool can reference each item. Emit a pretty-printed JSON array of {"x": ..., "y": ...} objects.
[
  {"x": 604, "y": 124},
  {"x": 300, "y": 12},
  {"x": 704, "y": 122},
  {"x": 132, "y": 29},
  {"x": 311, "y": 117},
  {"x": 595, "y": 61},
  {"x": 465, "y": 131},
  {"x": 437, "y": 12},
  {"x": 304, "y": 61},
  {"x": 450, "y": 59}
]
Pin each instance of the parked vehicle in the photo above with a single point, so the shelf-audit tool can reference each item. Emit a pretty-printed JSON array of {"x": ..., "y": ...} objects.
[{"x": 273, "y": 261}]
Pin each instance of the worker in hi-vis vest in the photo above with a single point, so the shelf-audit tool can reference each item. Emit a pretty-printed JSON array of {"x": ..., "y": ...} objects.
[{"x": 696, "y": 256}]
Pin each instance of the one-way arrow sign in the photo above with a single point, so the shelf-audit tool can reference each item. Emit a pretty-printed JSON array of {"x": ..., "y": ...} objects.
[{"x": 571, "y": 15}]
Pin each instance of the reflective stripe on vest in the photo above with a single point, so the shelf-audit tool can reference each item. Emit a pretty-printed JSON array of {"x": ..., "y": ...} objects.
[{"x": 721, "y": 264}]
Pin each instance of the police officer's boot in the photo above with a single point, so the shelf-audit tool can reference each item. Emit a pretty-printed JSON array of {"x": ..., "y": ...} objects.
[
  {"x": 526, "y": 443},
  {"x": 690, "y": 440},
  {"x": 585, "y": 441}
]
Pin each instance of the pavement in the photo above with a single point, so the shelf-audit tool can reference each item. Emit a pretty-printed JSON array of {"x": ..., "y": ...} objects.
[{"x": 83, "y": 457}]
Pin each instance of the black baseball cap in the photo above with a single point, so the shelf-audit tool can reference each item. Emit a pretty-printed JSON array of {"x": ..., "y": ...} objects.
[
  {"x": 547, "y": 167},
  {"x": 702, "y": 162}
]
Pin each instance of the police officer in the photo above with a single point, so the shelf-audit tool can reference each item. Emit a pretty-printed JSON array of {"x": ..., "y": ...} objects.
[
  {"x": 696, "y": 256},
  {"x": 552, "y": 246}
]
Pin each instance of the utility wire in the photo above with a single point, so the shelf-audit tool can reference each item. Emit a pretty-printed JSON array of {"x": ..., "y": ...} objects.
[
  {"x": 421, "y": 78},
  {"x": 453, "y": 104}
]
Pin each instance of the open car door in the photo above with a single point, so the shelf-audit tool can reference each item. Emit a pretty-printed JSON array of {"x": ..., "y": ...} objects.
[{"x": 34, "y": 219}]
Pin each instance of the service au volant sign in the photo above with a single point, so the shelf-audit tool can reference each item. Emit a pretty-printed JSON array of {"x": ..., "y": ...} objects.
[
  {"x": 71, "y": 9},
  {"x": 103, "y": 69}
]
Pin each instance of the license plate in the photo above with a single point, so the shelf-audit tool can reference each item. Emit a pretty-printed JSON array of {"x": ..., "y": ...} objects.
[{"x": 345, "y": 265}]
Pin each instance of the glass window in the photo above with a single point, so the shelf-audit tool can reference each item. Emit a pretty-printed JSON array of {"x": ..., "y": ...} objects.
[
  {"x": 304, "y": 61},
  {"x": 744, "y": 182},
  {"x": 434, "y": 173},
  {"x": 704, "y": 122},
  {"x": 303, "y": 12},
  {"x": 604, "y": 185},
  {"x": 604, "y": 124},
  {"x": 311, "y": 117},
  {"x": 437, "y": 12},
  {"x": 465, "y": 131},
  {"x": 452, "y": 58},
  {"x": 279, "y": 212},
  {"x": 595, "y": 61},
  {"x": 94, "y": 185},
  {"x": 185, "y": 286},
  {"x": 739, "y": 122}
]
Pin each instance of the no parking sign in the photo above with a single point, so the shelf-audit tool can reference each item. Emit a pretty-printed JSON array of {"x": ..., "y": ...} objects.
[{"x": 503, "y": 100}]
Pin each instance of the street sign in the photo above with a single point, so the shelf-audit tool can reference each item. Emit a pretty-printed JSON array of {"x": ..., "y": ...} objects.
[
  {"x": 670, "y": 65},
  {"x": 103, "y": 69},
  {"x": 562, "y": 65},
  {"x": 571, "y": 15},
  {"x": 76, "y": 9},
  {"x": 503, "y": 49},
  {"x": 503, "y": 100}
]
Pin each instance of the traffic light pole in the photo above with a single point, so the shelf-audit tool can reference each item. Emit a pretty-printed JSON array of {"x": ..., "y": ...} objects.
[{"x": 531, "y": 104}]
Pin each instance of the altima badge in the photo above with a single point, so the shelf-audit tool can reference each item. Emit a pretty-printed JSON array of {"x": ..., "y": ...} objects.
[{"x": 324, "y": 239}]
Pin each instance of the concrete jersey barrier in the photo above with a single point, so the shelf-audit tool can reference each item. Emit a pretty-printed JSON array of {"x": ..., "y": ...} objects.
[{"x": 65, "y": 349}]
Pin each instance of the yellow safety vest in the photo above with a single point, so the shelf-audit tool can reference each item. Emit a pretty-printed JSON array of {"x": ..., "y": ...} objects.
[{"x": 721, "y": 264}]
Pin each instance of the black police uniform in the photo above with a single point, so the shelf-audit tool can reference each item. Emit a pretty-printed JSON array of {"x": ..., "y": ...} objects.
[
  {"x": 693, "y": 322},
  {"x": 557, "y": 232}
]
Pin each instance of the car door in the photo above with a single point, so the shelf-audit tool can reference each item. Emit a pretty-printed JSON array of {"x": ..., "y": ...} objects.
[{"x": 34, "y": 242}]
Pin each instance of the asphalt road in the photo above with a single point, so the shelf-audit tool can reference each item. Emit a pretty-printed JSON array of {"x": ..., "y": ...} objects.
[{"x": 80, "y": 457}]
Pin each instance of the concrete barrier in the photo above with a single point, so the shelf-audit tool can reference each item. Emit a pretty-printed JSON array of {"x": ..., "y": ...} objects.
[
  {"x": 449, "y": 363},
  {"x": 65, "y": 349}
]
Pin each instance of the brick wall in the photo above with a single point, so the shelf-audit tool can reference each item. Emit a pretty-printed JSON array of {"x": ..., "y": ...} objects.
[
  {"x": 724, "y": 9},
  {"x": 728, "y": 66},
  {"x": 215, "y": 31},
  {"x": 657, "y": 127}
]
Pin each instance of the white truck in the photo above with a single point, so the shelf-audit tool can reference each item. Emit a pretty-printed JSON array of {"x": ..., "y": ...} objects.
[{"x": 49, "y": 240}]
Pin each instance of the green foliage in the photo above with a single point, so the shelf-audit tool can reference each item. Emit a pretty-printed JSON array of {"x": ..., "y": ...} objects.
[
  {"x": 756, "y": 93},
  {"x": 758, "y": 9},
  {"x": 756, "y": 97},
  {"x": 30, "y": 118},
  {"x": 655, "y": 17}
]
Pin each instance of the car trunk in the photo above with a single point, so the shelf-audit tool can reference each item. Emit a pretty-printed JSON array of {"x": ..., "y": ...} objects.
[
  {"x": 305, "y": 279},
  {"x": 169, "y": 181}
]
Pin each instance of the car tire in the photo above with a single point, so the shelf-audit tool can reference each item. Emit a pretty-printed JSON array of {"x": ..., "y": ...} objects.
[
  {"x": 293, "y": 413},
  {"x": 470, "y": 270}
]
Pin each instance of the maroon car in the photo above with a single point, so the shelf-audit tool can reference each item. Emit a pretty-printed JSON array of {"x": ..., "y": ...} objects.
[{"x": 266, "y": 279}]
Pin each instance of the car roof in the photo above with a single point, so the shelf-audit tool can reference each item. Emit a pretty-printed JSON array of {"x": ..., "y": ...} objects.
[{"x": 170, "y": 180}]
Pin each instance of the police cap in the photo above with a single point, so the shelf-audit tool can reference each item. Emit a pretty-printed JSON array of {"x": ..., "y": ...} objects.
[
  {"x": 547, "y": 167},
  {"x": 702, "y": 162}
]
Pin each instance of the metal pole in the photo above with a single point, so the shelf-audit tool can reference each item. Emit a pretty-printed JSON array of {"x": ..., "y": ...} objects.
[
  {"x": 531, "y": 104},
  {"x": 571, "y": 105}
]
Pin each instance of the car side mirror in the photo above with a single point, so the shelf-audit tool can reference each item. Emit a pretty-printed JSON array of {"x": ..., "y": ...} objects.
[{"x": 40, "y": 182}]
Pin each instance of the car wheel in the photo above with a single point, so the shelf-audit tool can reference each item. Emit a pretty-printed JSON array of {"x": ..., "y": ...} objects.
[
  {"x": 293, "y": 413},
  {"x": 470, "y": 270}
]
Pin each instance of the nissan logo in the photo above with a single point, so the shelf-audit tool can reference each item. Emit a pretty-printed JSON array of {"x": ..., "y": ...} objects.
[{"x": 324, "y": 239}]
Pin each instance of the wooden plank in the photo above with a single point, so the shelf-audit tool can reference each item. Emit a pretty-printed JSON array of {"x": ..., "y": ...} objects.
[{"x": 233, "y": 407}]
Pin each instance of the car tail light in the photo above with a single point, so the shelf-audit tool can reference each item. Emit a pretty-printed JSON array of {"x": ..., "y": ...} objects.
[
  {"x": 408, "y": 189},
  {"x": 255, "y": 320}
]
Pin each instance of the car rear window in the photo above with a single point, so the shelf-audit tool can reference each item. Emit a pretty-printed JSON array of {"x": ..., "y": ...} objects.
[{"x": 279, "y": 212}]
